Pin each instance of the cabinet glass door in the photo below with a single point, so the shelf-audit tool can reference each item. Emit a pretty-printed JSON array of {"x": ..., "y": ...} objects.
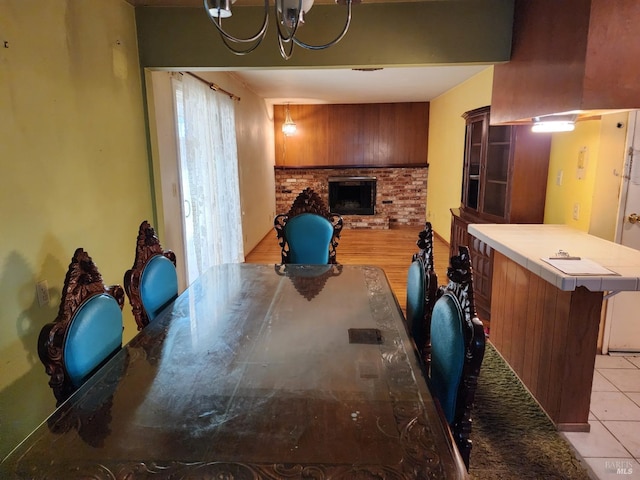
[
  {"x": 497, "y": 171},
  {"x": 474, "y": 151}
]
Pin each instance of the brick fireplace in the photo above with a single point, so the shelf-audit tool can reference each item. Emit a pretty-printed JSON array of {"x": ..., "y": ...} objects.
[{"x": 399, "y": 199}]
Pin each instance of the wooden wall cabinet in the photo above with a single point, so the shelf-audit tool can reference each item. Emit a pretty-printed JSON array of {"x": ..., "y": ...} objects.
[
  {"x": 569, "y": 55},
  {"x": 504, "y": 181}
]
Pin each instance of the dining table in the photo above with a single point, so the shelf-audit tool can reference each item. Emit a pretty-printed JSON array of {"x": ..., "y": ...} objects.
[{"x": 255, "y": 372}]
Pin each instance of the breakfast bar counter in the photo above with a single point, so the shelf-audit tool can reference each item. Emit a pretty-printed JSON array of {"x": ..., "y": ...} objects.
[{"x": 545, "y": 322}]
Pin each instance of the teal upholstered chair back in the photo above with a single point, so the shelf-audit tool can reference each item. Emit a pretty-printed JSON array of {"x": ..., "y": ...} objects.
[
  {"x": 308, "y": 233},
  {"x": 94, "y": 334},
  {"x": 416, "y": 296},
  {"x": 152, "y": 282},
  {"x": 159, "y": 285},
  {"x": 457, "y": 350},
  {"x": 447, "y": 353},
  {"x": 422, "y": 289},
  {"x": 87, "y": 330},
  {"x": 309, "y": 237}
]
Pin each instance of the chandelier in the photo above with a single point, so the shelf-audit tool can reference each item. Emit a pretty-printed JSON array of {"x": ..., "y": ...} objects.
[
  {"x": 289, "y": 15},
  {"x": 289, "y": 127}
]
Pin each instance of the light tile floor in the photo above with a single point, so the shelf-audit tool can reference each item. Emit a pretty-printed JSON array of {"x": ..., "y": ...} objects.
[{"x": 611, "y": 449}]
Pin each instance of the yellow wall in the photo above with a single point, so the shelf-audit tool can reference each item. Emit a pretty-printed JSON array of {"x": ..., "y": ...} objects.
[
  {"x": 594, "y": 197},
  {"x": 606, "y": 194},
  {"x": 446, "y": 146},
  {"x": 74, "y": 174},
  {"x": 596, "y": 194},
  {"x": 572, "y": 192}
]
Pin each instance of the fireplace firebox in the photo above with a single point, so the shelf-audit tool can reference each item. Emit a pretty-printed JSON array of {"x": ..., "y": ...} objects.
[{"x": 352, "y": 195}]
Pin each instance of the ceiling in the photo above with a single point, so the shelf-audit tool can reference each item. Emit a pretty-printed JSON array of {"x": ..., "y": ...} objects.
[{"x": 388, "y": 85}]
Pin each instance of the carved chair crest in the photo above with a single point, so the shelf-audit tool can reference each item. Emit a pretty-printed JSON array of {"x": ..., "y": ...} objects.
[
  {"x": 425, "y": 244},
  {"x": 308, "y": 201},
  {"x": 460, "y": 283},
  {"x": 147, "y": 247},
  {"x": 83, "y": 281}
]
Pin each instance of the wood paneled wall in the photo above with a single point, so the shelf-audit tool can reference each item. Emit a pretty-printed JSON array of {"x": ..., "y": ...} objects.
[
  {"x": 353, "y": 135},
  {"x": 549, "y": 338}
]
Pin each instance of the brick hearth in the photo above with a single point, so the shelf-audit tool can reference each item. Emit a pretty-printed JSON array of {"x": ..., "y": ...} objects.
[{"x": 401, "y": 193}]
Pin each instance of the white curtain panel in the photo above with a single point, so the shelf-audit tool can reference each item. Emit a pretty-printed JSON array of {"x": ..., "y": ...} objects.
[{"x": 210, "y": 163}]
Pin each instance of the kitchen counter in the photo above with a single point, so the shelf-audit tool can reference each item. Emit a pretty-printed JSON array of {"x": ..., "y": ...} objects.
[
  {"x": 527, "y": 244},
  {"x": 545, "y": 322}
]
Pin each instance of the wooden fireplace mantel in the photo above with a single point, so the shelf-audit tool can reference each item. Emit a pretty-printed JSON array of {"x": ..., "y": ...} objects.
[{"x": 345, "y": 167}]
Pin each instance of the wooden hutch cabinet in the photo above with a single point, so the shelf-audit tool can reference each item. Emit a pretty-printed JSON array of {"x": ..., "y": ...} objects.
[{"x": 504, "y": 181}]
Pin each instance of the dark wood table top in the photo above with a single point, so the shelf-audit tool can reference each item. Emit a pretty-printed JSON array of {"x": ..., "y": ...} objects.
[{"x": 255, "y": 372}]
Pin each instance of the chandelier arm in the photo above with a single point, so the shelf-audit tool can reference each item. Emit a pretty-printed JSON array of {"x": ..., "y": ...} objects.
[
  {"x": 285, "y": 54},
  {"x": 237, "y": 51},
  {"x": 332, "y": 42},
  {"x": 258, "y": 37},
  {"x": 282, "y": 26},
  {"x": 286, "y": 35}
]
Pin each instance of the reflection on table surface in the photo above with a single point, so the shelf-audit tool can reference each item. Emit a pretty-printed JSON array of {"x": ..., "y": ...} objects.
[{"x": 248, "y": 376}]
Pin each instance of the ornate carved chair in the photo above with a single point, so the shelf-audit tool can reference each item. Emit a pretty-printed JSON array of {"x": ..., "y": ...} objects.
[
  {"x": 308, "y": 233},
  {"x": 457, "y": 350},
  {"x": 87, "y": 330},
  {"x": 422, "y": 288},
  {"x": 152, "y": 283}
]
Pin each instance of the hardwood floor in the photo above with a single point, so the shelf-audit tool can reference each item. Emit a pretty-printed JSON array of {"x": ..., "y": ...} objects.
[{"x": 389, "y": 249}]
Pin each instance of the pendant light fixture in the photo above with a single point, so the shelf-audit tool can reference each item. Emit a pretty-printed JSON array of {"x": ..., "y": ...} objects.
[
  {"x": 288, "y": 127},
  {"x": 289, "y": 16}
]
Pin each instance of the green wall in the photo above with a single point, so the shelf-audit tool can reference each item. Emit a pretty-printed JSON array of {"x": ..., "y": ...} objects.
[
  {"x": 75, "y": 173},
  {"x": 392, "y": 34}
]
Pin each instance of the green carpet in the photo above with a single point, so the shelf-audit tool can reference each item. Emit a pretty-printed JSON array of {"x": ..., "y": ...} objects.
[{"x": 512, "y": 437}]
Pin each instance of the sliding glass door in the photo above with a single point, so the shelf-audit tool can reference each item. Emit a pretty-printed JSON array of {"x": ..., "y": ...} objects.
[{"x": 208, "y": 166}]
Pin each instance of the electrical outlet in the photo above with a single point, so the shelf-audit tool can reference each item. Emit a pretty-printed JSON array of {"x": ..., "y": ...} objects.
[
  {"x": 559, "y": 176},
  {"x": 42, "y": 292},
  {"x": 576, "y": 211}
]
